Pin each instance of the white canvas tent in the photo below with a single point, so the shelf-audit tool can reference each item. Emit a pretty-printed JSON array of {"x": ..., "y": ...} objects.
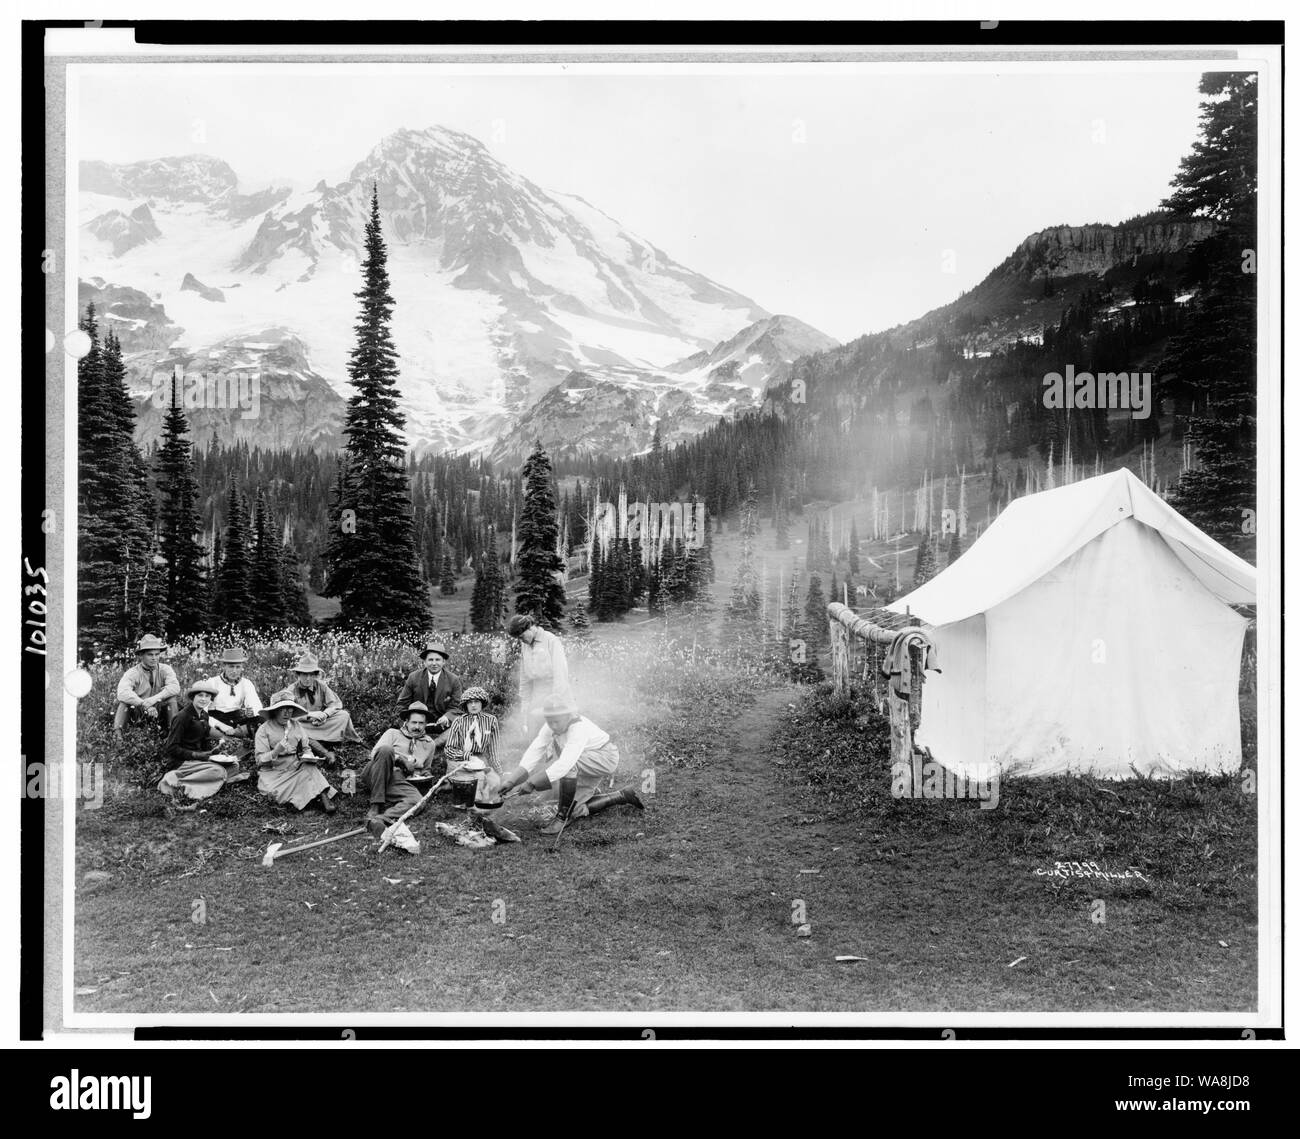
[{"x": 1088, "y": 629}]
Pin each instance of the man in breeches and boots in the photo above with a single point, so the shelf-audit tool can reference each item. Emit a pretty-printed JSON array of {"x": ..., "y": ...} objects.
[
  {"x": 574, "y": 756},
  {"x": 398, "y": 753}
]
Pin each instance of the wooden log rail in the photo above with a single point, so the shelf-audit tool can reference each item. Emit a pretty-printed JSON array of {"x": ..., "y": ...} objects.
[{"x": 855, "y": 639}]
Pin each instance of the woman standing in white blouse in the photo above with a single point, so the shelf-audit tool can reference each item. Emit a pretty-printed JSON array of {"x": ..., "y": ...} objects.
[{"x": 543, "y": 669}]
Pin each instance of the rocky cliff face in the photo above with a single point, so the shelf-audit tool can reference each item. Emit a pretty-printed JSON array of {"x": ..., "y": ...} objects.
[
  {"x": 257, "y": 388},
  {"x": 140, "y": 324},
  {"x": 1064, "y": 251}
]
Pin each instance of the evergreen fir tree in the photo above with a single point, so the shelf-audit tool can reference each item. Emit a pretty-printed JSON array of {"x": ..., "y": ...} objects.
[
  {"x": 1214, "y": 357},
  {"x": 816, "y": 628},
  {"x": 114, "y": 503},
  {"x": 855, "y": 566},
  {"x": 373, "y": 566},
  {"x": 266, "y": 575},
  {"x": 487, "y": 601},
  {"x": 596, "y": 581},
  {"x": 538, "y": 590},
  {"x": 447, "y": 579},
  {"x": 707, "y": 572},
  {"x": 655, "y": 596},
  {"x": 479, "y": 604},
  {"x": 579, "y": 625},
  {"x": 741, "y": 617},
  {"x": 782, "y": 527},
  {"x": 924, "y": 562},
  {"x": 954, "y": 547},
  {"x": 184, "y": 586},
  {"x": 232, "y": 601},
  {"x": 296, "y": 611}
]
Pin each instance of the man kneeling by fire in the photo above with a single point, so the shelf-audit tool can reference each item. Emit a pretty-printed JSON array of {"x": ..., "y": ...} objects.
[{"x": 577, "y": 756}]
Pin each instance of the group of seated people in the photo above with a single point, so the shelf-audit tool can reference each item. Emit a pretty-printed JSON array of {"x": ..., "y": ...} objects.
[{"x": 442, "y": 727}]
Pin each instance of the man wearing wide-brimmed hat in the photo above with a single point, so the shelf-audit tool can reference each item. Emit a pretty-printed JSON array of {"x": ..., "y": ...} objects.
[
  {"x": 400, "y": 752},
  {"x": 147, "y": 691},
  {"x": 193, "y": 766},
  {"x": 286, "y": 759},
  {"x": 326, "y": 721},
  {"x": 234, "y": 711},
  {"x": 572, "y": 755}
]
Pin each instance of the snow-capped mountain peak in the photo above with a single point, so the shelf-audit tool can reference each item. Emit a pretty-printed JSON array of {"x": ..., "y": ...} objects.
[{"x": 503, "y": 289}]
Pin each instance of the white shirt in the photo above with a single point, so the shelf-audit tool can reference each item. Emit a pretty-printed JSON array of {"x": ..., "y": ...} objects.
[
  {"x": 226, "y": 701},
  {"x": 563, "y": 750}
]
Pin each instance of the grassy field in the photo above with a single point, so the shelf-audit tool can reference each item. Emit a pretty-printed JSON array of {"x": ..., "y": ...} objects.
[{"x": 769, "y": 802}]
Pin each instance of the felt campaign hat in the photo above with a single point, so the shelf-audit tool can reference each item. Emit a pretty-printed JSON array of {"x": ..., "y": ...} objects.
[
  {"x": 234, "y": 655},
  {"x": 148, "y": 643},
  {"x": 558, "y": 706},
  {"x": 202, "y": 686},
  {"x": 306, "y": 663},
  {"x": 435, "y": 647},
  {"x": 415, "y": 706}
]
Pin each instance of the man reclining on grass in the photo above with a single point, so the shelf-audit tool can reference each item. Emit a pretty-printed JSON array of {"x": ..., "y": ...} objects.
[
  {"x": 577, "y": 756},
  {"x": 399, "y": 752}
]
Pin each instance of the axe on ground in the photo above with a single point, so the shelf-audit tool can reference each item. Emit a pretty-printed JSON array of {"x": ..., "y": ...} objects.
[
  {"x": 388, "y": 831},
  {"x": 273, "y": 851}
]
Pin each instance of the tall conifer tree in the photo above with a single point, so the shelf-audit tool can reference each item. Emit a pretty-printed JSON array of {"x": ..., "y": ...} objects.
[
  {"x": 538, "y": 590},
  {"x": 184, "y": 585},
  {"x": 1214, "y": 358},
  {"x": 373, "y": 566}
]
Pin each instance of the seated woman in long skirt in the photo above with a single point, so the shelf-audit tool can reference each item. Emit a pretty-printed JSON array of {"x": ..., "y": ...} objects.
[
  {"x": 287, "y": 758},
  {"x": 195, "y": 767}
]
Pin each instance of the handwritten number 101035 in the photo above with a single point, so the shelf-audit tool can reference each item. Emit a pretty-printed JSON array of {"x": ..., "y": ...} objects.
[{"x": 36, "y": 609}]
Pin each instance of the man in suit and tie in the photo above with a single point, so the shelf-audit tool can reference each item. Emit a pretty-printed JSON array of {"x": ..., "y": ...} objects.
[{"x": 434, "y": 685}]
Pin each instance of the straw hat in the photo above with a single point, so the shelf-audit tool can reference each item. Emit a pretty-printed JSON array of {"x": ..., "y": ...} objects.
[
  {"x": 202, "y": 686},
  {"x": 148, "y": 643},
  {"x": 306, "y": 663},
  {"x": 267, "y": 712}
]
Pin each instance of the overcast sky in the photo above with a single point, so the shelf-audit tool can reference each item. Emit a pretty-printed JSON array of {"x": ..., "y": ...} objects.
[{"x": 830, "y": 197}]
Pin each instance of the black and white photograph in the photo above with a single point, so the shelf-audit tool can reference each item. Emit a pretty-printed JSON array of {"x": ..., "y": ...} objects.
[{"x": 750, "y": 537}]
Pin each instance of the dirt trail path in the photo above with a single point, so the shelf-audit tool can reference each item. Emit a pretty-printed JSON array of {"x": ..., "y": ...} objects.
[{"x": 744, "y": 861}]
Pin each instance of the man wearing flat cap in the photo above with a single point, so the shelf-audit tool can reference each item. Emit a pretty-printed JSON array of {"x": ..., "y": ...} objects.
[
  {"x": 147, "y": 691},
  {"x": 435, "y": 686}
]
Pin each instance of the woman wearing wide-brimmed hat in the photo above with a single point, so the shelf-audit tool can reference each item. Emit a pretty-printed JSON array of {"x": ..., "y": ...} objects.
[
  {"x": 234, "y": 711},
  {"x": 543, "y": 668},
  {"x": 193, "y": 766},
  {"x": 325, "y": 721},
  {"x": 148, "y": 690},
  {"x": 286, "y": 759}
]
